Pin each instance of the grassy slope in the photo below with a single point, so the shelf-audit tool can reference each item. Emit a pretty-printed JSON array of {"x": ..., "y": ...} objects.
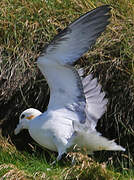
[
  {"x": 24, "y": 28},
  {"x": 14, "y": 164}
]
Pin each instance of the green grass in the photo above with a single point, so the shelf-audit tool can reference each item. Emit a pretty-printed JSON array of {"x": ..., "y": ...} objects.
[
  {"x": 29, "y": 166},
  {"x": 25, "y": 27}
]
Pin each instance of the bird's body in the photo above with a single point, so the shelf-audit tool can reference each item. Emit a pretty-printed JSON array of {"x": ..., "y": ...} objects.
[
  {"x": 44, "y": 131},
  {"x": 76, "y": 102}
]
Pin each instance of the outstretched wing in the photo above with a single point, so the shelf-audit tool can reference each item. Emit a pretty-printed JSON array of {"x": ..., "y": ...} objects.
[
  {"x": 71, "y": 43},
  {"x": 66, "y": 89}
]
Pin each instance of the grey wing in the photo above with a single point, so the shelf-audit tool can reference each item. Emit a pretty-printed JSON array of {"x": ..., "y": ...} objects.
[
  {"x": 71, "y": 43},
  {"x": 95, "y": 100},
  {"x": 66, "y": 89},
  {"x": 96, "y": 103}
]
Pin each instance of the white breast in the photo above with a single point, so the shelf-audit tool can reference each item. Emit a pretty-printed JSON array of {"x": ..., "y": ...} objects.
[
  {"x": 41, "y": 133},
  {"x": 44, "y": 128}
]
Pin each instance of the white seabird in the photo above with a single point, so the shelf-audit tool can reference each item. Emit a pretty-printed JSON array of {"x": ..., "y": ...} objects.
[{"x": 76, "y": 103}]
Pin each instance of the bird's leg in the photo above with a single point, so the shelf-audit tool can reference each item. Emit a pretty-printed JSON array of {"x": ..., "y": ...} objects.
[
  {"x": 53, "y": 163},
  {"x": 73, "y": 162},
  {"x": 61, "y": 147},
  {"x": 58, "y": 158}
]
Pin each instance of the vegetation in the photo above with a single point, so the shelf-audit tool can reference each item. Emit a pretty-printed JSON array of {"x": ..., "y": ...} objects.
[
  {"x": 25, "y": 27},
  {"x": 18, "y": 165}
]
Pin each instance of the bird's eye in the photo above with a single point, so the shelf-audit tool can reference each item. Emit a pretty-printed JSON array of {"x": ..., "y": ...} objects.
[{"x": 22, "y": 116}]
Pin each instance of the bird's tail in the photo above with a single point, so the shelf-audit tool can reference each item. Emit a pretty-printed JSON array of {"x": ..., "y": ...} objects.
[{"x": 93, "y": 141}]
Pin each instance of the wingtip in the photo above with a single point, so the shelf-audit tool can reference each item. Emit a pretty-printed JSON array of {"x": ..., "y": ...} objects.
[{"x": 106, "y": 6}]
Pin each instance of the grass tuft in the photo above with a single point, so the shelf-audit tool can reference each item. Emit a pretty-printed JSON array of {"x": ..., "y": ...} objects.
[
  {"x": 22, "y": 165},
  {"x": 87, "y": 168}
]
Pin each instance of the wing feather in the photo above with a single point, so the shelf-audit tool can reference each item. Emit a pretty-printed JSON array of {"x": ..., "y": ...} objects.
[
  {"x": 65, "y": 83},
  {"x": 71, "y": 43},
  {"x": 95, "y": 100}
]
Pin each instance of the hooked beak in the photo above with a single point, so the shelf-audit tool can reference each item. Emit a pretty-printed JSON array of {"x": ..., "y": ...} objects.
[
  {"x": 18, "y": 129},
  {"x": 22, "y": 125}
]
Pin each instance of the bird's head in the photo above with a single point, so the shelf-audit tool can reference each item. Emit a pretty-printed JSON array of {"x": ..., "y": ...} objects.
[
  {"x": 26, "y": 116},
  {"x": 29, "y": 114}
]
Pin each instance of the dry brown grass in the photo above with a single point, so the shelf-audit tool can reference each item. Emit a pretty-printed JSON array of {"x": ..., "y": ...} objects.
[
  {"x": 86, "y": 168},
  {"x": 13, "y": 173},
  {"x": 26, "y": 26}
]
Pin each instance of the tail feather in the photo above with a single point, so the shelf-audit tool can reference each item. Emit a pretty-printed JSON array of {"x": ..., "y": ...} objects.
[{"x": 93, "y": 141}]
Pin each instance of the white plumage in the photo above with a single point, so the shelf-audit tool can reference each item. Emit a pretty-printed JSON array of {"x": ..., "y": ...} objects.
[{"x": 76, "y": 103}]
